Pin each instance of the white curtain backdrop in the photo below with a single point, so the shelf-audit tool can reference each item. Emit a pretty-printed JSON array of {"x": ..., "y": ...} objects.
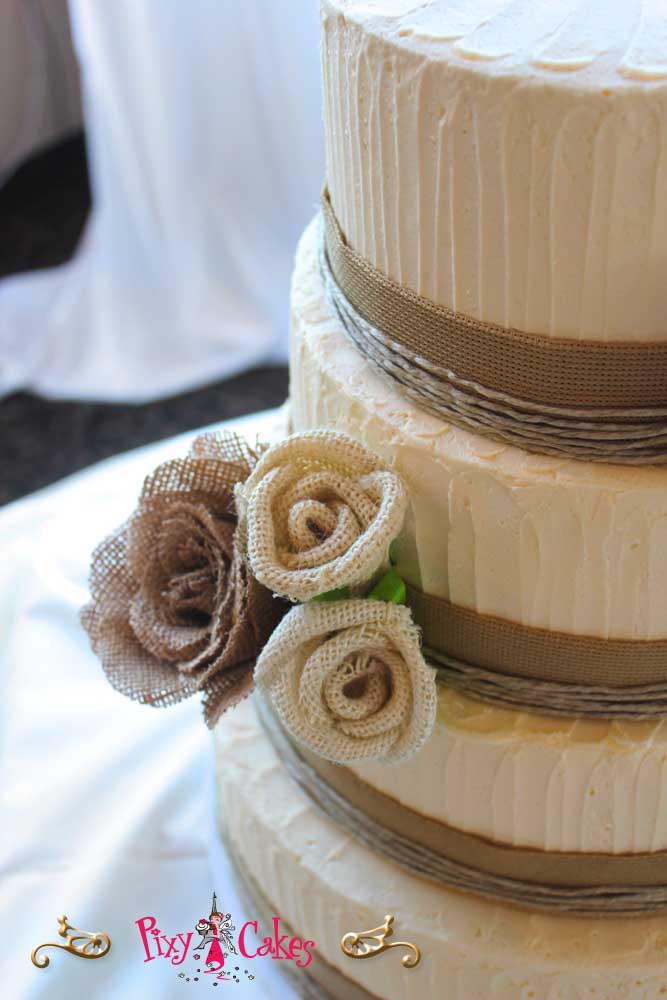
[
  {"x": 204, "y": 130},
  {"x": 39, "y": 85}
]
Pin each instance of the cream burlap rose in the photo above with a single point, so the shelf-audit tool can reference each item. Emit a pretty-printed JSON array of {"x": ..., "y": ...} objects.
[
  {"x": 318, "y": 512},
  {"x": 348, "y": 680},
  {"x": 174, "y": 610}
]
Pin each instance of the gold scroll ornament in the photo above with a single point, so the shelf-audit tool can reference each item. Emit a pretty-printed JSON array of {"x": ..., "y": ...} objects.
[
  {"x": 83, "y": 944},
  {"x": 368, "y": 944}
]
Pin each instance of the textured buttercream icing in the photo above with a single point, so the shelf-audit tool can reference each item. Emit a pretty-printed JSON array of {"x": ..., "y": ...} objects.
[
  {"x": 532, "y": 781},
  {"x": 549, "y": 543},
  {"x": 324, "y": 884},
  {"x": 506, "y": 158},
  {"x": 556, "y": 544},
  {"x": 606, "y": 38}
]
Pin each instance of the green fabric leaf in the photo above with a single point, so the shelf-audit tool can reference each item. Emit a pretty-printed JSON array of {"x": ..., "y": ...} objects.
[{"x": 390, "y": 588}]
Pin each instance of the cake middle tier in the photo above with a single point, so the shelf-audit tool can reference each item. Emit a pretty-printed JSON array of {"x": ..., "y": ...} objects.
[
  {"x": 568, "y": 546},
  {"x": 530, "y": 781}
]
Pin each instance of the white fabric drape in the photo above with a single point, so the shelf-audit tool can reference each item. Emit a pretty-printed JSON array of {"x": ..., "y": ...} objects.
[
  {"x": 204, "y": 128},
  {"x": 105, "y": 803},
  {"x": 39, "y": 85}
]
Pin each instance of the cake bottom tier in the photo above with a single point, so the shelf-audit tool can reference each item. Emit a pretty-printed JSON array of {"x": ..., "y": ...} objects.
[{"x": 325, "y": 884}]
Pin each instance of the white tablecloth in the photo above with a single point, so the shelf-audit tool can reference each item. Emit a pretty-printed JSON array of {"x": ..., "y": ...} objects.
[{"x": 105, "y": 804}]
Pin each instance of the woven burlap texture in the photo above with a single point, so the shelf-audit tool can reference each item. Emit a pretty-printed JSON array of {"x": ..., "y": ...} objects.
[
  {"x": 317, "y": 513},
  {"x": 597, "y": 884},
  {"x": 348, "y": 680},
  {"x": 173, "y": 609},
  {"x": 589, "y": 400}
]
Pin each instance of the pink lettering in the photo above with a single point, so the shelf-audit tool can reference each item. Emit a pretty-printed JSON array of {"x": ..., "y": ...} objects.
[
  {"x": 308, "y": 947},
  {"x": 170, "y": 943},
  {"x": 145, "y": 925},
  {"x": 185, "y": 941},
  {"x": 280, "y": 950},
  {"x": 241, "y": 940}
]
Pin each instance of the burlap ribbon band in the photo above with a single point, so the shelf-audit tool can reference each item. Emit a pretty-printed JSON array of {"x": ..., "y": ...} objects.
[
  {"x": 595, "y": 884},
  {"x": 587, "y": 400},
  {"x": 505, "y": 646},
  {"x": 552, "y": 672},
  {"x": 598, "y": 401}
]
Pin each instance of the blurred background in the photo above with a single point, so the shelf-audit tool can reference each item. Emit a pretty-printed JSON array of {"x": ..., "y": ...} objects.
[{"x": 158, "y": 162}]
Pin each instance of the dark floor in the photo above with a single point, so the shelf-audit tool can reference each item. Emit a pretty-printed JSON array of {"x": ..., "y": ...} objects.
[{"x": 42, "y": 212}]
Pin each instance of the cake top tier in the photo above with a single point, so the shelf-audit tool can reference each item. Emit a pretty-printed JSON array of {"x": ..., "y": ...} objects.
[
  {"x": 506, "y": 158},
  {"x": 607, "y": 43}
]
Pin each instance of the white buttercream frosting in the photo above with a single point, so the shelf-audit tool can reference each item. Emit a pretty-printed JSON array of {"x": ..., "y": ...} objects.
[
  {"x": 548, "y": 543},
  {"x": 506, "y": 158},
  {"x": 324, "y": 884},
  {"x": 532, "y": 781},
  {"x": 564, "y": 545},
  {"x": 628, "y": 37}
]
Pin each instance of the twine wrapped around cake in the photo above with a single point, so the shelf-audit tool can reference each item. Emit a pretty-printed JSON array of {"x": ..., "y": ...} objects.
[
  {"x": 601, "y": 402},
  {"x": 347, "y": 679},
  {"x": 173, "y": 609},
  {"x": 601, "y": 885},
  {"x": 554, "y": 673}
]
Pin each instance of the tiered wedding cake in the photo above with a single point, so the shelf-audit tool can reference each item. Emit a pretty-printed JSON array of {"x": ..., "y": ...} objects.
[{"x": 505, "y": 160}]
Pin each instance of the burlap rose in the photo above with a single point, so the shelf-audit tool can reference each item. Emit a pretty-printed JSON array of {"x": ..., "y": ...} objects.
[
  {"x": 318, "y": 512},
  {"x": 348, "y": 680},
  {"x": 174, "y": 610}
]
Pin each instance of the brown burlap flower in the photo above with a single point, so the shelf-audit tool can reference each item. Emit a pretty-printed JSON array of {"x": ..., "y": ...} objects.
[
  {"x": 174, "y": 610},
  {"x": 348, "y": 680},
  {"x": 317, "y": 513}
]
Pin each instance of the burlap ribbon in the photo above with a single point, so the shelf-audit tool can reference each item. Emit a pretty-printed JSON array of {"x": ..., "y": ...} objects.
[
  {"x": 590, "y": 400},
  {"x": 555, "y": 673},
  {"x": 595, "y": 884}
]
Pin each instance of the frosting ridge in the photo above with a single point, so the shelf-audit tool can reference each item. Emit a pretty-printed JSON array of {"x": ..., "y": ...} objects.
[{"x": 556, "y": 35}]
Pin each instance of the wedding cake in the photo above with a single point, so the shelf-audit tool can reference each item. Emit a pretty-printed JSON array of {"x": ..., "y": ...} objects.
[
  {"x": 447, "y": 583},
  {"x": 499, "y": 166}
]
